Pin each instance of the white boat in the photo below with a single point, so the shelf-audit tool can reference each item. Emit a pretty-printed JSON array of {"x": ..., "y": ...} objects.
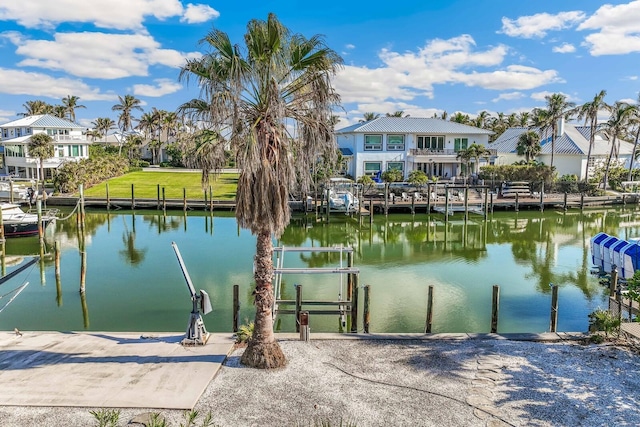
[
  {"x": 21, "y": 191},
  {"x": 341, "y": 199},
  {"x": 18, "y": 223}
]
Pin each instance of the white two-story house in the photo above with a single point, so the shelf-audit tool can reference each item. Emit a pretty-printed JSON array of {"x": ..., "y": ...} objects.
[
  {"x": 408, "y": 143},
  {"x": 69, "y": 142}
]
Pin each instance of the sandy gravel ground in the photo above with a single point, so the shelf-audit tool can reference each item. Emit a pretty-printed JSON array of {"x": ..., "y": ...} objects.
[{"x": 410, "y": 383}]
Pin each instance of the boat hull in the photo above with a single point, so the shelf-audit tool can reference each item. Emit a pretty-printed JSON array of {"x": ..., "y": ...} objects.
[{"x": 24, "y": 229}]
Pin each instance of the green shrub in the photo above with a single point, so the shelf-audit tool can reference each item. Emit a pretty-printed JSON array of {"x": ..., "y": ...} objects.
[
  {"x": 603, "y": 320},
  {"x": 106, "y": 417},
  {"x": 245, "y": 332}
]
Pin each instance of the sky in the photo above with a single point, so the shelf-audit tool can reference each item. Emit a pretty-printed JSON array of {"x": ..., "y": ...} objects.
[{"x": 417, "y": 56}]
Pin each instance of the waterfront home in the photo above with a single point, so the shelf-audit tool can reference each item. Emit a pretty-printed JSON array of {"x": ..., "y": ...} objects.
[
  {"x": 69, "y": 141},
  {"x": 410, "y": 143},
  {"x": 571, "y": 149}
]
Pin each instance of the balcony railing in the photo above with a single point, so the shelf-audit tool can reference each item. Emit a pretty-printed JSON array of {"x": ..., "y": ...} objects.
[
  {"x": 443, "y": 152},
  {"x": 69, "y": 138}
]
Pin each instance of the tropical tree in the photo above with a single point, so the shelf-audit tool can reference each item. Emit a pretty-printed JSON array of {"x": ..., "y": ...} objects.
[
  {"x": 459, "y": 117},
  {"x": 392, "y": 175},
  {"x": 40, "y": 146},
  {"x": 368, "y": 117},
  {"x": 59, "y": 111},
  {"x": 70, "y": 104},
  {"x": 635, "y": 122},
  {"x": 397, "y": 114},
  {"x": 540, "y": 122},
  {"x": 557, "y": 108},
  {"x": 102, "y": 125},
  {"x": 417, "y": 178},
  {"x": 480, "y": 121},
  {"x": 523, "y": 118},
  {"x": 529, "y": 145},
  {"x": 275, "y": 80},
  {"x": 126, "y": 106},
  {"x": 614, "y": 128},
  {"x": 589, "y": 111},
  {"x": 36, "y": 107}
]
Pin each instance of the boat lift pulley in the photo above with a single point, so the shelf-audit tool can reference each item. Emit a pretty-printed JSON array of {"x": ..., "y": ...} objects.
[{"x": 196, "y": 332}]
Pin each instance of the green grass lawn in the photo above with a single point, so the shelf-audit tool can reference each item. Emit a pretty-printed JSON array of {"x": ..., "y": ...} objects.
[{"x": 146, "y": 186}]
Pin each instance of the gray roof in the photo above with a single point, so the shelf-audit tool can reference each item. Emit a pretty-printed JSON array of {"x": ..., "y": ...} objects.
[
  {"x": 42, "y": 121},
  {"x": 412, "y": 125},
  {"x": 574, "y": 140}
]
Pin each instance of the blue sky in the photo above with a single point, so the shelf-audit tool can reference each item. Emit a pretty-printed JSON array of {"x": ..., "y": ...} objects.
[{"x": 422, "y": 57}]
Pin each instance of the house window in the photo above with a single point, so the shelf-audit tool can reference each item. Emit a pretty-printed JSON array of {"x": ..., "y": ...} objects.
[
  {"x": 399, "y": 166},
  {"x": 460, "y": 144},
  {"x": 60, "y": 150},
  {"x": 14, "y": 150},
  {"x": 76, "y": 150},
  {"x": 372, "y": 168},
  {"x": 430, "y": 142},
  {"x": 395, "y": 142},
  {"x": 373, "y": 142},
  {"x": 5, "y": 133}
]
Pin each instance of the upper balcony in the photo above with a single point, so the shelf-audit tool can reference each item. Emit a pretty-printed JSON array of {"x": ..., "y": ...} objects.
[
  {"x": 69, "y": 138},
  {"x": 426, "y": 154}
]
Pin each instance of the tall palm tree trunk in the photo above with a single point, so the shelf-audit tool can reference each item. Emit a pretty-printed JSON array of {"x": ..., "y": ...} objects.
[
  {"x": 633, "y": 154},
  {"x": 263, "y": 351},
  {"x": 605, "y": 177},
  {"x": 591, "y": 140}
]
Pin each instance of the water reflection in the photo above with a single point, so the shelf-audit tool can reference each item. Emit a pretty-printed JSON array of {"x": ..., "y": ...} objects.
[{"x": 132, "y": 282}]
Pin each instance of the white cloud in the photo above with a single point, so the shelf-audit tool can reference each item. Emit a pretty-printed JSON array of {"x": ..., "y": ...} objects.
[
  {"x": 404, "y": 76},
  {"x": 618, "y": 29},
  {"x": 97, "y": 55},
  {"x": 509, "y": 96},
  {"x": 539, "y": 24},
  {"x": 628, "y": 101},
  {"x": 564, "y": 48},
  {"x": 6, "y": 116},
  {"x": 17, "y": 82},
  {"x": 540, "y": 96},
  {"x": 117, "y": 14},
  {"x": 162, "y": 87},
  {"x": 197, "y": 13},
  {"x": 350, "y": 46}
]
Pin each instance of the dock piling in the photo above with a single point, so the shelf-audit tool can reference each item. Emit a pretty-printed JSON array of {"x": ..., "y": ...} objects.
[
  {"x": 554, "y": 308},
  {"x": 427, "y": 329},
  {"x": 366, "y": 317},
  {"x": 236, "y": 307},
  {"x": 495, "y": 307}
]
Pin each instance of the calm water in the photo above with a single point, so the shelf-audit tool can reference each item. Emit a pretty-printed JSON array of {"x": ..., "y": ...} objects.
[{"x": 133, "y": 281}]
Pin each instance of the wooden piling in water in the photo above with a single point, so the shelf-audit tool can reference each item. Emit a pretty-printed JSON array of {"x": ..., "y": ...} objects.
[
  {"x": 108, "y": 198},
  {"x": 371, "y": 210},
  {"x": 164, "y": 201},
  {"x": 298, "y": 305},
  {"x": 554, "y": 309},
  {"x": 491, "y": 199},
  {"x": 486, "y": 205},
  {"x": 366, "y": 316},
  {"x": 542, "y": 197},
  {"x": 210, "y": 199},
  {"x": 613, "y": 281},
  {"x": 466, "y": 202},
  {"x": 350, "y": 276},
  {"x": 56, "y": 256},
  {"x": 517, "y": 202},
  {"x": 184, "y": 199},
  {"x": 581, "y": 201},
  {"x": 236, "y": 307},
  {"x": 158, "y": 196},
  {"x": 205, "y": 200},
  {"x": 40, "y": 227},
  {"x": 11, "y": 192},
  {"x": 565, "y": 201},
  {"x": 133, "y": 197},
  {"x": 495, "y": 308},
  {"x": 1, "y": 230},
  {"x": 413, "y": 203},
  {"x": 446, "y": 204},
  {"x": 354, "y": 305},
  {"x": 427, "y": 329},
  {"x": 386, "y": 198}
]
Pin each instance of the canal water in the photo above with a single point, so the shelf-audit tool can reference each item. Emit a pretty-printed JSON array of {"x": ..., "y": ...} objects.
[{"x": 133, "y": 281}]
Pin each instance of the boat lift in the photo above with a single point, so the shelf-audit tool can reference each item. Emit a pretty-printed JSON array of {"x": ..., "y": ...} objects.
[
  {"x": 196, "y": 332},
  {"x": 345, "y": 302}
]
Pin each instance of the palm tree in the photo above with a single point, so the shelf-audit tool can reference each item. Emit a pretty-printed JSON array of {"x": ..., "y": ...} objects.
[
  {"x": 397, "y": 114},
  {"x": 40, "y": 146},
  {"x": 59, "y": 111},
  {"x": 459, "y": 117},
  {"x": 523, "y": 118},
  {"x": 558, "y": 108},
  {"x": 540, "y": 122},
  {"x": 635, "y": 121},
  {"x": 70, "y": 103},
  {"x": 366, "y": 117},
  {"x": 102, "y": 125},
  {"x": 614, "y": 128},
  {"x": 126, "y": 107},
  {"x": 35, "y": 108},
  {"x": 529, "y": 145},
  {"x": 278, "y": 79},
  {"x": 589, "y": 111}
]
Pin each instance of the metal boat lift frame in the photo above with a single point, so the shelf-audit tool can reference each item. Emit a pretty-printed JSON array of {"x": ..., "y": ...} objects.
[{"x": 347, "y": 299}]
